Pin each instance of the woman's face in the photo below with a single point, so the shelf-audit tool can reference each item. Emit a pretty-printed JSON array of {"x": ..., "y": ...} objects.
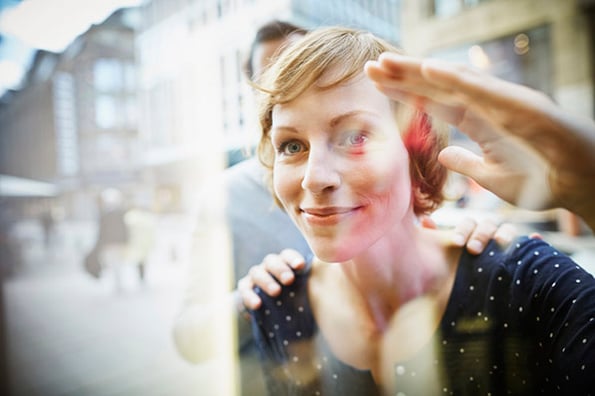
[{"x": 341, "y": 170}]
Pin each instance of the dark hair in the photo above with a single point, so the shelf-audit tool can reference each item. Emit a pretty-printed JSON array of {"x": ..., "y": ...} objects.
[{"x": 270, "y": 31}]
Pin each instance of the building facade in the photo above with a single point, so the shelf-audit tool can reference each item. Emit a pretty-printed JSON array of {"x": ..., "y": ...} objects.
[
  {"x": 74, "y": 124},
  {"x": 196, "y": 106},
  {"x": 154, "y": 105},
  {"x": 381, "y": 17},
  {"x": 545, "y": 44}
]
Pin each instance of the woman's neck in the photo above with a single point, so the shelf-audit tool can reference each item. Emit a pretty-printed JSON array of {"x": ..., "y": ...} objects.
[{"x": 405, "y": 264}]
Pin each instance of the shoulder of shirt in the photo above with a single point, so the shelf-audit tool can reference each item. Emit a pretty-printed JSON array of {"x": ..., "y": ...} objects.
[
  {"x": 496, "y": 256},
  {"x": 522, "y": 246},
  {"x": 522, "y": 257},
  {"x": 244, "y": 175},
  {"x": 250, "y": 168}
]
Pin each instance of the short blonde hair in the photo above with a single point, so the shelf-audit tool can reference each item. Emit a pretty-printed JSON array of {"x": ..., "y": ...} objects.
[{"x": 345, "y": 51}]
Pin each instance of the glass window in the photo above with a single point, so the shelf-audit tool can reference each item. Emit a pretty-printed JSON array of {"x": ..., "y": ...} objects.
[
  {"x": 108, "y": 75},
  {"x": 105, "y": 111},
  {"x": 130, "y": 77},
  {"x": 131, "y": 112},
  {"x": 523, "y": 58},
  {"x": 446, "y": 8}
]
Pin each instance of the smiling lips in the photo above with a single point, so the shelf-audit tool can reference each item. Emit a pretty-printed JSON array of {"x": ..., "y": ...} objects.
[{"x": 327, "y": 215}]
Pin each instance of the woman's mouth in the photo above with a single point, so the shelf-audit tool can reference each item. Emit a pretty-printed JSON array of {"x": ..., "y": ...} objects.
[{"x": 329, "y": 215}]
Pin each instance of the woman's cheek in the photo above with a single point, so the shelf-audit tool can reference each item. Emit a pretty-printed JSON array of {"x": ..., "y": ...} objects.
[
  {"x": 283, "y": 183},
  {"x": 384, "y": 173}
]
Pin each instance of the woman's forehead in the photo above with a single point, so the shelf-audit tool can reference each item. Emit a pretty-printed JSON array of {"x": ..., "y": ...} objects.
[{"x": 357, "y": 95}]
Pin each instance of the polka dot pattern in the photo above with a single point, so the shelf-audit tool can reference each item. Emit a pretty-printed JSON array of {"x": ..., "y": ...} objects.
[{"x": 520, "y": 321}]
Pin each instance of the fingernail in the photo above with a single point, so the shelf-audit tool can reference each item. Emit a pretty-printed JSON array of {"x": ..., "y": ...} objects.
[
  {"x": 458, "y": 240},
  {"x": 286, "y": 276},
  {"x": 475, "y": 246},
  {"x": 254, "y": 301},
  {"x": 297, "y": 262},
  {"x": 273, "y": 287},
  {"x": 505, "y": 238}
]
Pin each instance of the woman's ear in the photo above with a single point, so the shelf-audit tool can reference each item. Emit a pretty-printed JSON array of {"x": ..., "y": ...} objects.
[{"x": 423, "y": 203}]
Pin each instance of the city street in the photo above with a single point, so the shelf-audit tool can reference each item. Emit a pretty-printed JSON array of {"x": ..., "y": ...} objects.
[{"x": 71, "y": 334}]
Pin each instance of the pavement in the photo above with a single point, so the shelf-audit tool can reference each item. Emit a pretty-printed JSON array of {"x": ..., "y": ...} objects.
[{"x": 69, "y": 334}]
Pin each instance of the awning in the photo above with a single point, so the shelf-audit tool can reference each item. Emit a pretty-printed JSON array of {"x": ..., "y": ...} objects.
[{"x": 12, "y": 186}]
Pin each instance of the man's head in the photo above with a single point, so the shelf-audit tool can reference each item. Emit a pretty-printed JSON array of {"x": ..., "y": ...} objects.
[{"x": 269, "y": 38}]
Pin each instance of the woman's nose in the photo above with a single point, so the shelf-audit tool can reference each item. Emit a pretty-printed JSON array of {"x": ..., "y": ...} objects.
[{"x": 320, "y": 174}]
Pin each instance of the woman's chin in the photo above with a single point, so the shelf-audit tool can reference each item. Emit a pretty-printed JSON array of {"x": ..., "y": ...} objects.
[{"x": 331, "y": 255}]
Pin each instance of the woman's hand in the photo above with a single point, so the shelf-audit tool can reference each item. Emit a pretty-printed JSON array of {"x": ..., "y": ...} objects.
[{"x": 535, "y": 155}]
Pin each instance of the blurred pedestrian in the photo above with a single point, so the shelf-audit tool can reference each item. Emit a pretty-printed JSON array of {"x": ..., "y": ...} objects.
[
  {"x": 46, "y": 218},
  {"x": 112, "y": 234},
  {"x": 141, "y": 228},
  {"x": 109, "y": 250}
]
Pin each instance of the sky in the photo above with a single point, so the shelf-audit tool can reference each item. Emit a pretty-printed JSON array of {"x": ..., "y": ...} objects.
[{"x": 50, "y": 25}]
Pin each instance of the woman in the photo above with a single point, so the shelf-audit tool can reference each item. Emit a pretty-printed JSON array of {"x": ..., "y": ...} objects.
[{"x": 384, "y": 306}]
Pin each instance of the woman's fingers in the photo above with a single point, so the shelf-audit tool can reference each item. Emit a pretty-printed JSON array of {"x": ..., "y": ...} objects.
[
  {"x": 461, "y": 160},
  {"x": 410, "y": 88},
  {"x": 403, "y": 75},
  {"x": 503, "y": 105}
]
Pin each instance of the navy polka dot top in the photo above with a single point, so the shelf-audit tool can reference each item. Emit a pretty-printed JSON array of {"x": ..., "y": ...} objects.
[{"x": 518, "y": 322}]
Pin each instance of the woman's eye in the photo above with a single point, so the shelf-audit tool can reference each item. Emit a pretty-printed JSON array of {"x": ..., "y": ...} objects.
[
  {"x": 356, "y": 139},
  {"x": 290, "y": 148}
]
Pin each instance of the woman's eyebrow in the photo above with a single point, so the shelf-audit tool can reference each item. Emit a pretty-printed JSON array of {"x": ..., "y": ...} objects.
[
  {"x": 283, "y": 128},
  {"x": 336, "y": 120},
  {"x": 350, "y": 114}
]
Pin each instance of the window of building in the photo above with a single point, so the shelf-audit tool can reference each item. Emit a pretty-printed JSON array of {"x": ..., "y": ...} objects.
[
  {"x": 131, "y": 112},
  {"x": 447, "y": 8},
  {"x": 381, "y": 17},
  {"x": 524, "y": 58},
  {"x": 130, "y": 76},
  {"x": 108, "y": 75},
  {"x": 105, "y": 111},
  {"x": 65, "y": 122},
  {"x": 223, "y": 8}
]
